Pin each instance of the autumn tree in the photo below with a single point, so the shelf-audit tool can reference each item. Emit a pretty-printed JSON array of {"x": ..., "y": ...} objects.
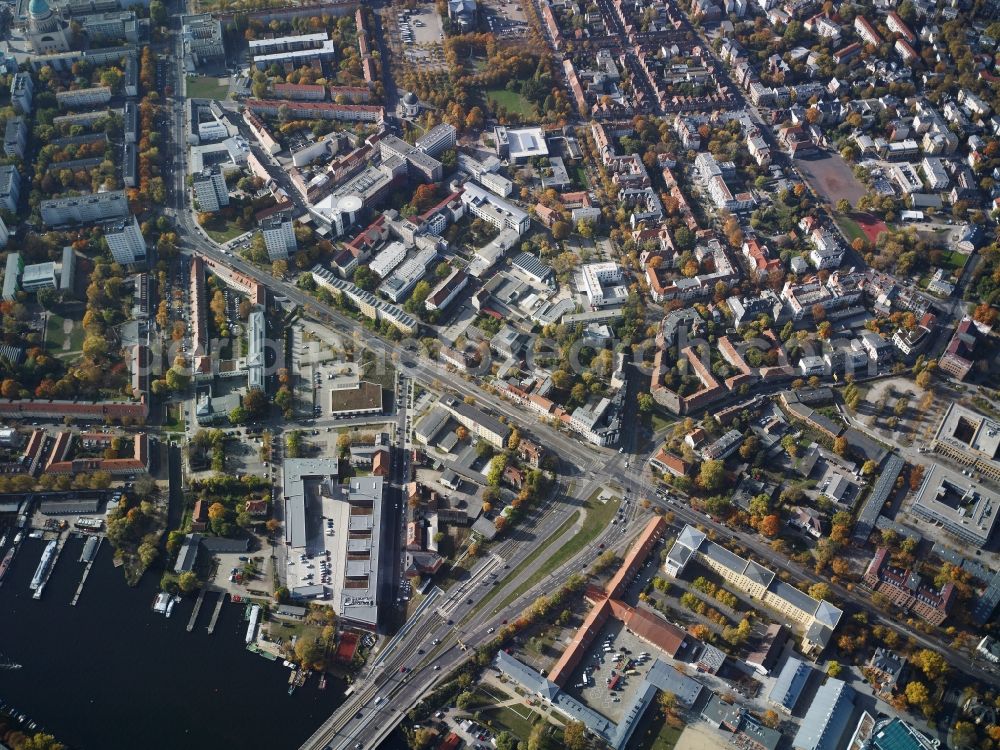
[
  {"x": 770, "y": 525},
  {"x": 931, "y": 663},
  {"x": 841, "y": 446},
  {"x": 916, "y": 693},
  {"x": 819, "y": 591},
  {"x": 770, "y": 719},
  {"x": 575, "y": 736}
]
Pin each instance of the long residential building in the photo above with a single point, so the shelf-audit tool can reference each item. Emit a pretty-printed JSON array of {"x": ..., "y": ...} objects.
[
  {"x": 369, "y": 305},
  {"x": 91, "y": 97},
  {"x": 818, "y": 618},
  {"x": 480, "y": 424},
  {"x": 317, "y": 110},
  {"x": 85, "y": 209}
]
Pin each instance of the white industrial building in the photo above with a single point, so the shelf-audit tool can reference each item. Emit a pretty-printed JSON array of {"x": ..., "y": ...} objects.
[{"x": 390, "y": 257}]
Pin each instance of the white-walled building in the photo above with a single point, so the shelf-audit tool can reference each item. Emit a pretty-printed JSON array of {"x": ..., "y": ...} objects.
[
  {"x": 210, "y": 190},
  {"x": 125, "y": 240},
  {"x": 279, "y": 236},
  {"x": 494, "y": 209}
]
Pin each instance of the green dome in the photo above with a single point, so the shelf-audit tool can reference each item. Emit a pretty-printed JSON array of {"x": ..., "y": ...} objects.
[{"x": 38, "y": 8}]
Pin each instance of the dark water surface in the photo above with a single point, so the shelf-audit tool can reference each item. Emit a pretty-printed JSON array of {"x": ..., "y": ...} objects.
[{"x": 110, "y": 673}]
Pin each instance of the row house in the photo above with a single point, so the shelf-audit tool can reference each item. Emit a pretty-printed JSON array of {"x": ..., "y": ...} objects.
[
  {"x": 866, "y": 31},
  {"x": 897, "y": 25}
]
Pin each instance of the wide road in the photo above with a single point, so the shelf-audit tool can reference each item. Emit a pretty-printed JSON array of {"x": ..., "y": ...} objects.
[{"x": 439, "y": 639}]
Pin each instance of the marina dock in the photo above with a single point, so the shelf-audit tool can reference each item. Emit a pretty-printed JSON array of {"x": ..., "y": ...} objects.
[
  {"x": 197, "y": 609},
  {"x": 89, "y": 555},
  {"x": 217, "y": 612}
]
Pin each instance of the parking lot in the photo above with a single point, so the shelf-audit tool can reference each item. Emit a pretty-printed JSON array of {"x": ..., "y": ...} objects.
[
  {"x": 614, "y": 657},
  {"x": 418, "y": 35},
  {"x": 240, "y": 573},
  {"x": 505, "y": 18}
]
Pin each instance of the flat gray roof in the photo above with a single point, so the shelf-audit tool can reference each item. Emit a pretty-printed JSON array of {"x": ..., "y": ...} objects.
[
  {"x": 791, "y": 681},
  {"x": 297, "y": 472},
  {"x": 872, "y": 508},
  {"x": 827, "y": 718}
]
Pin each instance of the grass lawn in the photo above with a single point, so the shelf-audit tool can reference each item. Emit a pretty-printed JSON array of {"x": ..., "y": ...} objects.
[
  {"x": 221, "y": 230},
  {"x": 510, "y": 718},
  {"x": 598, "y": 518},
  {"x": 511, "y": 101},
  {"x": 55, "y": 337},
  {"x": 204, "y": 87},
  {"x": 173, "y": 420},
  {"x": 850, "y": 228},
  {"x": 660, "y": 422},
  {"x": 653, "y": 733},
  {"x": 954, "y": 260},
  {"x": 580, "y": 175}
]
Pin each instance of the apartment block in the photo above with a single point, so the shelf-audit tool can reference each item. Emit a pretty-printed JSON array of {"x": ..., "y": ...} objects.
[
  {"x": 210, "y": 190},
  {"x": 125, "y": 241}
]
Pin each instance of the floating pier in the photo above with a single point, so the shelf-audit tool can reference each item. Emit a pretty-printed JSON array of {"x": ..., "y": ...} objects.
[
  {"x": 89, "y": 555},
  {"x": 217, "y": 612},
  {"x": 197, "y": 609}
]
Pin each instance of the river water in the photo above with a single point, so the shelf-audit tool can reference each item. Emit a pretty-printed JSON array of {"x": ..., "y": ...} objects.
[{"x": 111, "y": 674}]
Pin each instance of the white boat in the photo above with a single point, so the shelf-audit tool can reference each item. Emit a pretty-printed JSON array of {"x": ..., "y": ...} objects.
[
  {"x": 160, "y": 603},
  {"x": 170, "y": 605},
  {"x": 42, "y": 571}
]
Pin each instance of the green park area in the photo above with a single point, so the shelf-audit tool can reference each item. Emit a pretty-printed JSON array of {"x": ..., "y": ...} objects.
[
  {"x": 599, "y": 515},
  {"x": 206, "y": 87},
  {"x": 63, "y": 336},
  {"x": 512, "y": 101},
  {"x": 221, "y": 230}
]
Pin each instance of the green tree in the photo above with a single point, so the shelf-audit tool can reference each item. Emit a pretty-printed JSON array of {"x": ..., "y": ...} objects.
[
  {"x": 157, "y": 12},
  {"x": 465, "y": 700},
  {"x": 365, "y": 278},
  {"x": 187, "y": 582},
  {"x": 711, "y": 475},
  {"x": 833, "y": 669},
  {"x": 41, "y": 742}
]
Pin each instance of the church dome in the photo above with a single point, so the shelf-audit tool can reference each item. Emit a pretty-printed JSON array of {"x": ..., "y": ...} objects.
[
  {"x": 38, "y": 8},
  {"x": 409, "y": 99}
]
